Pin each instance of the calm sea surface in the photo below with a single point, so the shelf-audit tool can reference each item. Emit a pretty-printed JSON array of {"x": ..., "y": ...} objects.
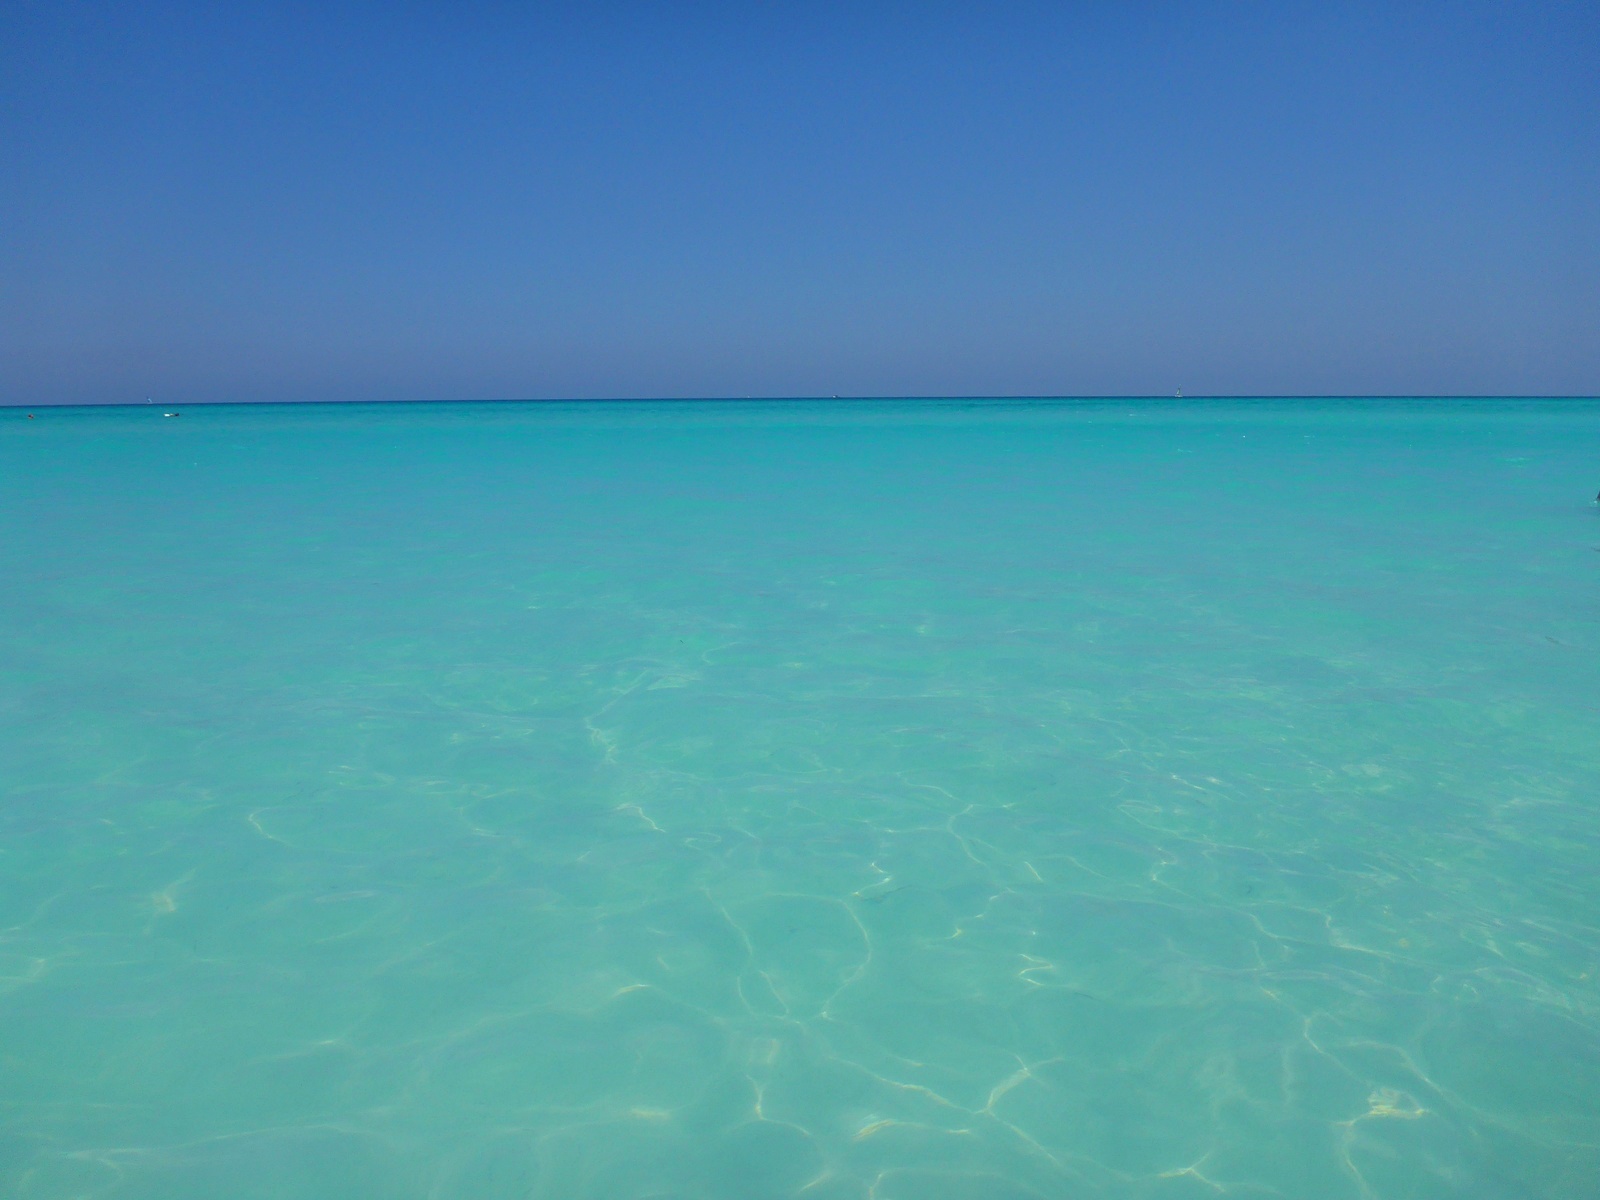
[{"x": 903, "y": 800}]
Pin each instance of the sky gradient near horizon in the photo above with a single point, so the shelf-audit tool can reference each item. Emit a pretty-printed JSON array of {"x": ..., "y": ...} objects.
[{"x": 482, "y": 200}]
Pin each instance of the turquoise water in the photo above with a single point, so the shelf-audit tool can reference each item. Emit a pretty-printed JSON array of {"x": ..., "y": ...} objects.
[{"x": 914, "y": 801}]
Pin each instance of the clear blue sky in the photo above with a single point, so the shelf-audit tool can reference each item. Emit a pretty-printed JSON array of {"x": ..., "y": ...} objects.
[{"x": 442, "y": 200}]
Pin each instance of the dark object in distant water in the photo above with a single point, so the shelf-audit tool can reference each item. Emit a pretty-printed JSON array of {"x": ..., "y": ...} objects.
[{"x": 166, "y": 414}]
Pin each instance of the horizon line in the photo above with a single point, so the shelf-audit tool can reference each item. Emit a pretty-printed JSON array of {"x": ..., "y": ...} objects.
[{"x": 799, "y": 398}]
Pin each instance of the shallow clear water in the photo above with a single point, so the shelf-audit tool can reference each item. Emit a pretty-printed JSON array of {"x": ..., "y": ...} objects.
[{"x": 922, "y": 801}]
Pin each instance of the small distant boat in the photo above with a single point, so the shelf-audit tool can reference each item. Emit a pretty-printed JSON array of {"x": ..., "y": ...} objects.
[
  {"x": 1178, "y": 395},
  {"x": 171, "y": 414}
]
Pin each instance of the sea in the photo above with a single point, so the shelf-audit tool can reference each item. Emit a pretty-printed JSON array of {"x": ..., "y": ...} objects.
[{"x": 826, "y": 800}]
